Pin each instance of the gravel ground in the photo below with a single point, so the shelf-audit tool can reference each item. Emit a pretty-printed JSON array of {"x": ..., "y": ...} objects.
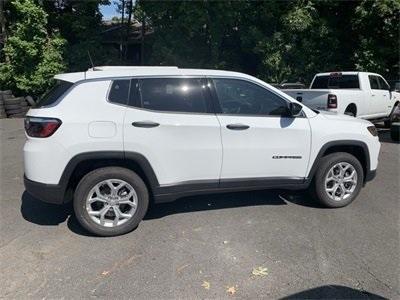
[{"x": 204, "y": 246}]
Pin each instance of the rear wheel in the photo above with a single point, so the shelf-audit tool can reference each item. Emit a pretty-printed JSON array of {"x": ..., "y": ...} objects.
[
  {"x": 110, "y": 201},
  {"x": 338, "y": 179},
  {"x": 351, "y": 110}
]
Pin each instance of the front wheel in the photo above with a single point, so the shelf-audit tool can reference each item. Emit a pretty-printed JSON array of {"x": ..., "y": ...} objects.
[
  {"x": 338, "y": 180},
  {"x": 110, "y": 201}
]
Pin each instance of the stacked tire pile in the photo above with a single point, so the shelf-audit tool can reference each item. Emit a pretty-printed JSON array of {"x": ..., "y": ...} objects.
[{"x": 12, "y": 107}]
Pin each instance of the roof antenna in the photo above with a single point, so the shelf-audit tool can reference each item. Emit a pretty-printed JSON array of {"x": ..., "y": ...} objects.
[{"x": 91, "y": 61}]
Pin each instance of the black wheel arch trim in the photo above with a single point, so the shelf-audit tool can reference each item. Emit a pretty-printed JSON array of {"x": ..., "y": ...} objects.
[
  {"x": 325, "y": 147},
  {"x": 138, "y": 158}
]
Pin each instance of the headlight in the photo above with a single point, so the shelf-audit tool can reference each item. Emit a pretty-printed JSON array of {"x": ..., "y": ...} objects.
[{"x": 373, "y": 130}]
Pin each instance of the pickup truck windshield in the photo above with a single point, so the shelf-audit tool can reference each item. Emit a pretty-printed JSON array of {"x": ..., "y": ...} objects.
[
  {"x": 336, "y": 82},
  {"x": 54, "y": 93}
]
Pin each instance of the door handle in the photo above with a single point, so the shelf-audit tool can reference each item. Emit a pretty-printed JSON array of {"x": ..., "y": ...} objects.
[
  {"x": 145, "y": 124},
  {"x": 237, "y": 126}
]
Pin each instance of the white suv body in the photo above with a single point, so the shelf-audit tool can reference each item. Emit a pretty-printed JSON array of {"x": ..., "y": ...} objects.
[{"x": 182, "y": 132}]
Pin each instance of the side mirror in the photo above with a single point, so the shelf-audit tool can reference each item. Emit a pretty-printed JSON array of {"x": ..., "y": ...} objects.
[{"x": 295, "y": 109}]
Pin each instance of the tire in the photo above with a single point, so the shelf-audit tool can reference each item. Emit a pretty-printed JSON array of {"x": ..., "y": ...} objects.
[
  {"x": 392, "y": 117},
  {"x": 325, "y": 166},
  {"x": 13, "y": 111},
  {"x": 85, "y": 188},
  {"x": 15, "y": 116},
  {"x": 12, "y": 101},
  {"x": 30, "y": 100},
  {"x": 12, "y": 106},
  {"x": 395, "y": 132},
  {"x": 351, "y": 110},
  {"x": 349, "y": 113}
]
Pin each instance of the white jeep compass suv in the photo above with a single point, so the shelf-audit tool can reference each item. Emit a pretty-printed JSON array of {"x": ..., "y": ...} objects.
[{"x": 112, "y": 139}]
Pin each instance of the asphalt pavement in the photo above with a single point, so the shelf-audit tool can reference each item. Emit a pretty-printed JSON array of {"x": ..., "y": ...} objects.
[{"x": 249, "y": 245}]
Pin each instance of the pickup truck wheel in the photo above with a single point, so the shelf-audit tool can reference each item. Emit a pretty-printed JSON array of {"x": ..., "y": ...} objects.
[
  {"x": 110, "y": 201},
  {"x": 395, "y": 132},
  {"x": 393, "y": 117},
  {"x": 338, "y": 179}
]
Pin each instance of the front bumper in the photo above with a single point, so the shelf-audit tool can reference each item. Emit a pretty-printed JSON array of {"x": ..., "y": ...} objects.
[{"x": 50, "y": 193}]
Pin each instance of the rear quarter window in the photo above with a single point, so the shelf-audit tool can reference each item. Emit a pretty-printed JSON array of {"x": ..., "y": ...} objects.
[
  {"x": 119, "y": 91},
  {"x": 59, "y": 88}
]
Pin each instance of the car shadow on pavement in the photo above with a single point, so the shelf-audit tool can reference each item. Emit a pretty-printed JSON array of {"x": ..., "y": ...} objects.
[
  {"x": 42, "y": 213},
  {"x": 38, "y": 212},
  {"x": 333, "y": 292}
]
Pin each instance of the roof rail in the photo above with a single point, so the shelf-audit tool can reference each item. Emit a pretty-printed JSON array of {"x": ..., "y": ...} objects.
[{"x": 129, "y": 68}]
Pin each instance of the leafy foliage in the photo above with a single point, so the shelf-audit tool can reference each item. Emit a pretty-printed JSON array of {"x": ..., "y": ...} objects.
[
  {"x": 33, "y": 55},
  {"x": 80, "y": 23},
  {"x": 275, "y": 40},
  {"x": 378, "y": 25}
]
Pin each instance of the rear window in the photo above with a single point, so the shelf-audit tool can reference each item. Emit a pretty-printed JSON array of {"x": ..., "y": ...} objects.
[
  {"x": 336, "y": 82},
  {"x": 54, "y": 93}
]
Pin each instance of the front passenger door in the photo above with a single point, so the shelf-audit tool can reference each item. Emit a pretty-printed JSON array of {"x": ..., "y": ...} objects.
[
  {"x": 259, "y": 142},
  {"x": 379, "y": 97}
]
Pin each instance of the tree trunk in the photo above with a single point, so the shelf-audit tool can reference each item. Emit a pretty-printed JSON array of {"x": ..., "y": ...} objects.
[
  {"x": 121, "y": 53},
  {"x": 3, "y": 29},
  {"x": 142, "y": 40},
  {"x": 128, "y": 27}
]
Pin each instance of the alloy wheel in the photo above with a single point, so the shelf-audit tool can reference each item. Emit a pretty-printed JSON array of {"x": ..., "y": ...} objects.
[
  {"x": 341, "y": 181},
  {"x": 111, "y": 202}
]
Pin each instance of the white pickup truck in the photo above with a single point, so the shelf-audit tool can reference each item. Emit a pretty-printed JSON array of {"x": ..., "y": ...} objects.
[{"x": 360, "y": 94}]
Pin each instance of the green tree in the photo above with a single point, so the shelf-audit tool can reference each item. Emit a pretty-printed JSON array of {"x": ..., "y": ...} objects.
[
  {"x": 377, "y": 24},
  {"x": 33, "y": 55},
  {"x": 275, "y": 40},
  {"x": 80, "y": 24}
]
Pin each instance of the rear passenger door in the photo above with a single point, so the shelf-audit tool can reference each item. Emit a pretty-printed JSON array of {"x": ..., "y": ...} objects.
[{"x": 170, "y": 122}]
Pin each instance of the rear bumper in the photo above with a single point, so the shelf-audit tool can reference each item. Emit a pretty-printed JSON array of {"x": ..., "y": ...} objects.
[{"x": 50, "y": 193}]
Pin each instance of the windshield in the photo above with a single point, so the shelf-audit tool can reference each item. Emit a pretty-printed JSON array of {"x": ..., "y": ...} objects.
[
  {"x": 54, "y": 93},
  {"x": 336, "y": 82}
]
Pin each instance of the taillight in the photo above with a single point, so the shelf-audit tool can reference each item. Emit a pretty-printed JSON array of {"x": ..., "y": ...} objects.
[
  {"x": 332, "y": 101},
  {"x": 41, "y": 127}
]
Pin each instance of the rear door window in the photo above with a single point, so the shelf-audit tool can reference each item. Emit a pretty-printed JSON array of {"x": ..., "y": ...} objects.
[
  {"x": 54, "y": 93},
  {"x": 174, "y": 94},
  {"x": 373, "y": 81},
  {"x": 336, "y": 81}
]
